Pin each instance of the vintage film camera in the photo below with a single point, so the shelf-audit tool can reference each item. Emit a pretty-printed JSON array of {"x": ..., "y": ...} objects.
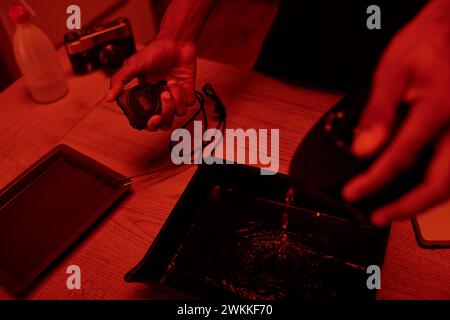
[{"x": 106, "y": 46}]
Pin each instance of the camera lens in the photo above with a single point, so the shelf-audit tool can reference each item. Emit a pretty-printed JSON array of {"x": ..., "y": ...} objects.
[{"x": 112, "y": 57}]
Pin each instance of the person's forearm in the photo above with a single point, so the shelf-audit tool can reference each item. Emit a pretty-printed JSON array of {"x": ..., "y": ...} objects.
[{"x": 184, "y": 19}]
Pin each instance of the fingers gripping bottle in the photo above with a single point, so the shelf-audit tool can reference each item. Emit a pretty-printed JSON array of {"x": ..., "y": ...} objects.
[{"x": 36, "y": 57}]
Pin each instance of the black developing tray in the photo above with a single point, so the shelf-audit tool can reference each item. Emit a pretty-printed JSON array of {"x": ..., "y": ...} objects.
[
  {"x": 224, "y": 240},
  {"x": 45, "y": 209}
]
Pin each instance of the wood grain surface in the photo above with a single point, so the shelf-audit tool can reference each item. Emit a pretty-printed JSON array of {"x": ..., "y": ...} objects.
[{"x": 115, "y": 244}]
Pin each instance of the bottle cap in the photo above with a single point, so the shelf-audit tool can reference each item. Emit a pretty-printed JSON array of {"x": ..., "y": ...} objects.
[{"x": 19, "y": 14}]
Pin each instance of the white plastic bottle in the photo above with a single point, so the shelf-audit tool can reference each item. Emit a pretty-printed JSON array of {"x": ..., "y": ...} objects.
[{"x": 36, "y": 57}]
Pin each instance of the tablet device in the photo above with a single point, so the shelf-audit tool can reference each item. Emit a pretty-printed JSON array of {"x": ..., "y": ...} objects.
[
  {"x": 433, "y": 226},
  {"x": 44, "y": 210}
]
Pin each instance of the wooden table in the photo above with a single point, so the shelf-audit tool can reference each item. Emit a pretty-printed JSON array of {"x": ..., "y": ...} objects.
[{"x": 86, "y": 122}]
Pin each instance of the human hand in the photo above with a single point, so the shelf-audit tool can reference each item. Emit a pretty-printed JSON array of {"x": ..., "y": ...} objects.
[
  {"x": 414, "y": 69},
  {"x": 167, "y": 60}
]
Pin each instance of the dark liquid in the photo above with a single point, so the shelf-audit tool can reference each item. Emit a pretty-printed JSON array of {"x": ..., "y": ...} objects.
[{"x": 248, "y": 256}]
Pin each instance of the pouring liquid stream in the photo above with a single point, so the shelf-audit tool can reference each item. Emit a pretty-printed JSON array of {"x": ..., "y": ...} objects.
[{"x": 289, "y": 199}]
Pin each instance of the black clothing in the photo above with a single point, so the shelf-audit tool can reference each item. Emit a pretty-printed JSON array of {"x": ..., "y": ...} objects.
[{"x": 328, "y": 44}]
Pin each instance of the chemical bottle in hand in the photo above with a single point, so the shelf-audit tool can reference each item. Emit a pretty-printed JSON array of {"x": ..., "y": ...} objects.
[{"x": 36, "y": 57}]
